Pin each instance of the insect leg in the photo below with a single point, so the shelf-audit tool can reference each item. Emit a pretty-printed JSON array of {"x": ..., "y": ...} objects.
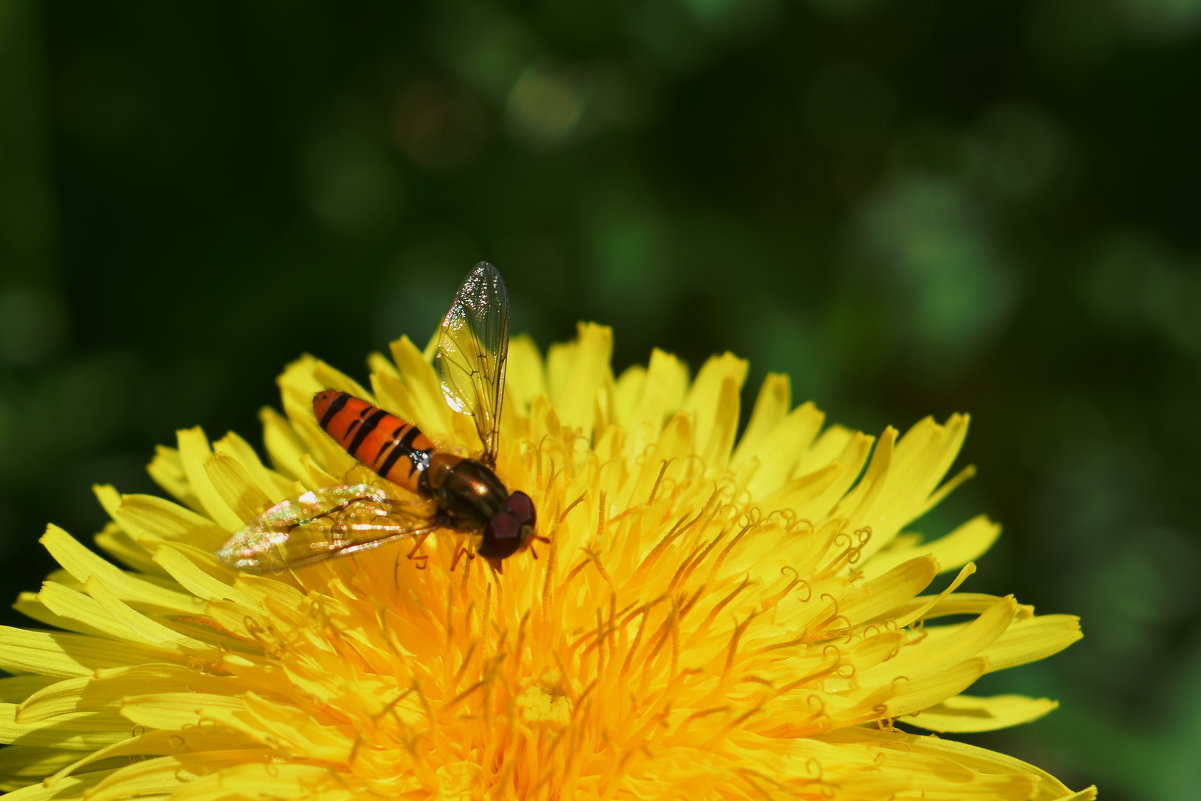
[
  {"x": 459, "y": 553},
  {"x": 421, "y": 558}
]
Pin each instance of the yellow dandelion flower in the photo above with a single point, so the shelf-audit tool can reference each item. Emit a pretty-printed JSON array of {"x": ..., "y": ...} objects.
[{"x": 715, "y": 615}]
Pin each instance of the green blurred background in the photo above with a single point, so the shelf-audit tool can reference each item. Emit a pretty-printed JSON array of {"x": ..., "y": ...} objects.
[{"x": 912, "y": 208}]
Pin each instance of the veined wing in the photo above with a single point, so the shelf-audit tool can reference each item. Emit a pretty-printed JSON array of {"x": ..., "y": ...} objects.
[
  {"x": 473, "y": 348},
  {"x": 322, "y": 523}
]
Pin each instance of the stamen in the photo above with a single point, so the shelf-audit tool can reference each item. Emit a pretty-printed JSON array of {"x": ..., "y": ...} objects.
[{"x": 658, "y": 479}]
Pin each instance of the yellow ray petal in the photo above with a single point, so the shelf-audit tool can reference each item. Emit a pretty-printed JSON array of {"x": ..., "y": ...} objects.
[
  {"x": 194, "y": 451},
  {"x": 22, "y": 765},
  {"x": 967, "y": 542},
  {"x": 1033, "y": 639},
  {"x": 283, "y": 446},
  {"x": 578, "y": 374},
  {"x": 159, "y": 777},
  {"x": 83, "y": 565},
  {"x": 120, "y": 546},
  {"x": 881, "y": 596},
  {"x": 242, "y": 496},
  {"x": 80, "y": 731},
  {"x": 772, "y": 405},
  {"x": 15, "y": 689},
  {"x": 69, "y": 788},
  {"x": 966, "y": 713},
  {"x": 971, "y": 641},
  {"x": 64, "y": 655},
  {"x": 268, "y": 780},
  {"x": 268, "y": 482},
  {"x": 416, "y": 390},
  {"x": 179, "y": 710},
  {"x": 782, "y": 448},
  {"x": 713, "y": 402},
  {"x": 984, "y": 761},
  {"x": 192, "y": 577},
  {"x": 151, "y": 521},
  {"x": 166, "y": 468},
  {"x": 526, "y": 379},
  {"x": 849, "y": 462},
  {"x": 647, "y": 397}
]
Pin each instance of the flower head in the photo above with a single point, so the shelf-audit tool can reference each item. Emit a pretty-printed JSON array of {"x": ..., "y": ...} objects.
[{"x": 714, "y": 616}]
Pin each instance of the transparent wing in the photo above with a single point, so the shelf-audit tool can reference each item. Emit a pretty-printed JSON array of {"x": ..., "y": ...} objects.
[
  {"x": 323, "y": 523},
  {"x": 472, "y": 350}
]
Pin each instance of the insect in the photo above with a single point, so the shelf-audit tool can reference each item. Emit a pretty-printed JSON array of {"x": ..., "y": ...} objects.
[{"x": 465, "y": 494}]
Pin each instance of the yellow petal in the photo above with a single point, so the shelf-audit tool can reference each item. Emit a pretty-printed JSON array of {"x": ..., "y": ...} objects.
[
  {"x": 83, "y": 565},
  {"x": 848, "y": 463},
  {"x": 255, "y": 779},
  {"x": 149, "y": 778},
  {"x": 926, "y": 690},
  {"x": 647, "y": 397},
  {"x": 970, "y": 641},
  {"x": 68, "y": 788},
  {"x": 880, "y": 596},
  {"x": 772, "y": 405},
  {"x": 283, "y": 446},
  {"x": 967, "y": 542},
  {"x": 900, "y": 492},
  {"x": 167, "y": 742},
  {"x": 179, "y": 710},
  {"x": 56, "y": 699},
  {"x": 151, "y": 521},
  {"x": 713, "y": 402},
  {"x": 80, "y": 731},
  {"x": 187, "y": 571},
  {"x": 578, "y": 374},
  {"x": 231, "y": 481},
  {"x": 62, "y": 654},
  {"x": 15, "y": 689},
  {"x": 1033, "y": 639},
  {"x": 966, "y": 713},
  {"x": 526, "y": 379},
  {"x": 166, "y": 468},
  {"x": 194, "y": 451},
  {"x": 270, "y": 483},
  {"x": 780, "y": 448},
  {"x": 985, "y": 762},
  {"x": 21, "y": 765},
  {"x": 416, "y": 391},
  {"x": 120, "y": 546}
]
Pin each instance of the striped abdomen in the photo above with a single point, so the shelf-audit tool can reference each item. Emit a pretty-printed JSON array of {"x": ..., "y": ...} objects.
[{"x": 396, "y": 450}]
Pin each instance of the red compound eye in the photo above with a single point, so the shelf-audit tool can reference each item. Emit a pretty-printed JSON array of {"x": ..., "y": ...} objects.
[{"x": 511, "y": 529}]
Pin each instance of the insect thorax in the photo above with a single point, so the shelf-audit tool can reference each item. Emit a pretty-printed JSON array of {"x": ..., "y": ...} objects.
[{"x": 467, "y": 492}]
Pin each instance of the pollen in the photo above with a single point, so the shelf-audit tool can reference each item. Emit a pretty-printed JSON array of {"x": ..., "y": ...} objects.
[
  {"x": 544, "y": 701},
  {"x": 717, "y": 613}
]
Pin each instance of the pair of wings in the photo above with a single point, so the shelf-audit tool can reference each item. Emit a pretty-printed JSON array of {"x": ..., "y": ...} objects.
[{"x": 473, "y": 348}]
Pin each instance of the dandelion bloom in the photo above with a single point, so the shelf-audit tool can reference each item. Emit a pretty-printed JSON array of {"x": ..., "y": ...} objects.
[{"x": 715, "y": 615}]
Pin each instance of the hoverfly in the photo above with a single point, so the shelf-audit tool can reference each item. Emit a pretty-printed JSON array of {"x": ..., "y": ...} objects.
[{"x": 465, "y": 494}]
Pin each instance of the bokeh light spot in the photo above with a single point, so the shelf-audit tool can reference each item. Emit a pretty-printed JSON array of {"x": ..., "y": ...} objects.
[{"x": 545, "y": 106}]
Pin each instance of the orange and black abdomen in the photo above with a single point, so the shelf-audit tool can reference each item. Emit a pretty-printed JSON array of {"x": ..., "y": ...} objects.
[{"x": 396, "y": 450}]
